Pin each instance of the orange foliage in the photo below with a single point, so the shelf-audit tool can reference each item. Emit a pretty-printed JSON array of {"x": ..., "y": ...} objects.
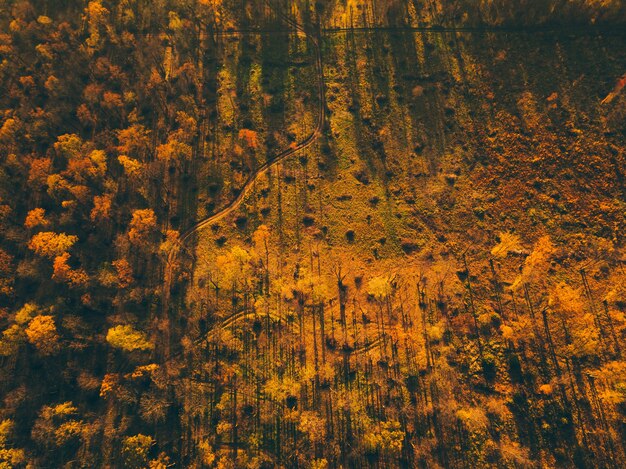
[
  {"x": 49, "y": 244},
  {"x": 134, "y": 140},
  {"x": 62, "y": 272},
  {"x": 112, "y": 101},
  {"x": 40, "y": 169},
  {"x": 36, "y": 217},
  {"x": 173, "y": 150},
  {"x": 6, "y": 273},
  {"x": 250, "y": 138},
  {"x": 143, "y": 223},
  {"x": 101, "y": 208},
  {"x": 124, "y": 272}
]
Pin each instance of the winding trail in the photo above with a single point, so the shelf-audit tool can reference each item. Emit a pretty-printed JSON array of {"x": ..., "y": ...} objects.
[
  {"x": 240, "y": 316},
  {"x": 248, "y": 186}
]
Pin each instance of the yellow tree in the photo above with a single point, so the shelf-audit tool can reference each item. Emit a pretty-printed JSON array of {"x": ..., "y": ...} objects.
[
  {"x": 134, "y": 142},
  {"x": 537, "y": 264},
  {"x": 135, "y": 450},
  {"x": 260, "y": 240},
  {"x": 9, "y": 456},
  {"x": 42, "y": 333},
  {"x": 127, "y": 338}
]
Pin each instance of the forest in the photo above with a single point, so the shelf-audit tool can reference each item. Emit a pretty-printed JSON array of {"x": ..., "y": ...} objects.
[{"x": 312, "y": 234}]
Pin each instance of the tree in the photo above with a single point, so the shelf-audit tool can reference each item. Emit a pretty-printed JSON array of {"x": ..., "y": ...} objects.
[
  {"x": 11, "y": 339},
  {"x": 135, "y": 450},
  {"x": 6, "y": 273},
  {"x": 508, "y": 242},
  {"x": 142, "y": 225},
  {"x": 250, "y": 138},
  {"x": 173, "y": 151},
  {"x": 134, "y": 142},
  {"x": 49, "y": 244},
  {"x": 62, "y": 272},
  {"x": 124, "y": 272},
  {"x": 40, "y": 169},
  {"x": 9, "y": 456},
  {"x": 101, "y": 208},
  {"x": 42, "y": 333},
  {"x": 36, "y": 217},
  {"x": 132, "y": 167},
  {"x": 387, "y": 440},
  {"x": 127, "y": 338},
  {"x": 313, "y": 426},
  {"x": 537, "y": 263},
  {"x": 97, "y": 17},
  {"x": 57, "y": 424}
]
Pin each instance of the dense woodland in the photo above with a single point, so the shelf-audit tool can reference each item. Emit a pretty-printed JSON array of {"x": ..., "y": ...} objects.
[{"x": 382, "y": 233}]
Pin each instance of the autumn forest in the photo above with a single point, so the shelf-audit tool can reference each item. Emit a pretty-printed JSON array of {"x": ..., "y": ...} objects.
[{"x": 312, "y": 234}]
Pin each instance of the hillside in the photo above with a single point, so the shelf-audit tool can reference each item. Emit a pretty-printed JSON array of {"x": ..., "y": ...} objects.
[{"x": 312, "y": 234}]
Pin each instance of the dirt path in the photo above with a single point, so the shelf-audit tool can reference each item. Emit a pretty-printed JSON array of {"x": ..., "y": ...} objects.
[{"x": 248, "y": 187}]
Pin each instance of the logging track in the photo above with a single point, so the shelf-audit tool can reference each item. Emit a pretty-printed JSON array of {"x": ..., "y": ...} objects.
[{"x": 249, "y": 185}]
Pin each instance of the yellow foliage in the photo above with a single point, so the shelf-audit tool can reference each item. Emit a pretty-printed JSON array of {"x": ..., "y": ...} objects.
[
  {"x": 565, "y": 299},
  {"x": 67, "y": 431},
  {"x": 234, "y": 266},
  {"x": 42, "y": 333},
  {"x": 69, "y": 146},
  {"x": 175, "y": 23},
  {"x": 380, "y": 287},
  {"x": 132, "y": 167},
  {"x": 126, "y": 337},
  {"x": 474, "y": 419},
  {"x": 508, "y": 242},
  {"x": 11, "y": 339},
  {"x": 313, "y": 426},
  {"x": 8, "y": 130},
  {"x": 135, "y": 450},
  {"x": 133, "y": 140},
  {"x": 26, "y": 313},
  {"x": 206, "y": 453},
  {"x": 144, "y": 370},
  {"x": 260, "y": 238},
  {"x": 171, "y": 240},
  {"x": 9, "y": 457},
  {"x": 507, "y": 332},
  {"x": 537, "y": 263},
  {"x": 388, "y": 439},
  {"x": 173, "y": 150},
  {"x": 98, "y": 159}
]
